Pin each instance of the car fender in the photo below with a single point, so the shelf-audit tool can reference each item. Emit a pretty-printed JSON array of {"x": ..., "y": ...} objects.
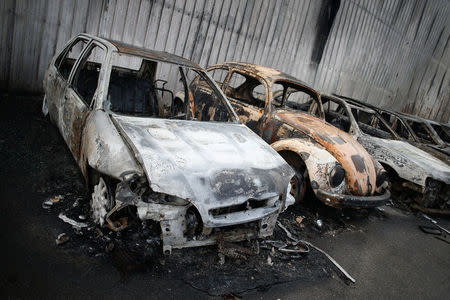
[
  {"x": 103, "y": 148},
  {"x": 317, "y": 159}
]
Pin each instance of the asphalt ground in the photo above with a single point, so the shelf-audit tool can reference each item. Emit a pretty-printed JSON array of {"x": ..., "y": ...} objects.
[{"x": 385, "y": 251}]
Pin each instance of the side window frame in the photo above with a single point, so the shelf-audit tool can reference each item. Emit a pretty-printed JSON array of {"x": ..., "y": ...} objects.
[
  {"x": 225, "y": 68},
  {"x": 99, "y": 92},
  {"x": 63, "y": 53},
  {"x": 261, "y": 80}
]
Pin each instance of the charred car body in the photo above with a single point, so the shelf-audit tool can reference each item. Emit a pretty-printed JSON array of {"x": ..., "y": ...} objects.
[
  {"x": 430, "y": 133},
  {"x": 141, "y": 151},
  {"x": 414, "y": 130},
  {"x": 418, "y": 170},
  {"x": 275, "y": 106}
]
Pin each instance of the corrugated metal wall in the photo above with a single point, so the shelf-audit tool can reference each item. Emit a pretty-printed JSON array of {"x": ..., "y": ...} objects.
[{"x": 389, "y": 52}]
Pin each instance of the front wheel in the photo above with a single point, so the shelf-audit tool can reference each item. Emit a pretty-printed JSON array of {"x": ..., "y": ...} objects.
[
  {"x": 298, "y": 186},
  {"x": 44, "y": 106},
  {"x": 300, "y": 180},
  {"x": 101, "y": 202}
]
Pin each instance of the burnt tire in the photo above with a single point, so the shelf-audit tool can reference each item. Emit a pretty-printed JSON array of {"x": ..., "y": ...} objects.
[
  {"x": 299, "y": 183},
  {"x": 298, "y": 186},
  {"x": 102, "y": 201}
]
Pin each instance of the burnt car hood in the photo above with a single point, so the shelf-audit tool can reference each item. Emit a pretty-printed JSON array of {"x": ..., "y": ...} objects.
[
  {"x": 419, "y": 163},
  {"x": 210, "y": 164},
  {"x": 354, "y": 158}
]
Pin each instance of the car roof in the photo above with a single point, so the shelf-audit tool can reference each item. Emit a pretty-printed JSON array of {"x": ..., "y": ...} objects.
[
  {"x": 352, "y": 103},
  {"x": 162, "y": 56},
  {"x": 267, "y": 73}
]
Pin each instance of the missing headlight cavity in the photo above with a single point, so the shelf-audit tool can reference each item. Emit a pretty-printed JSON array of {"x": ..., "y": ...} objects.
[{"x": 337, "y": 175}]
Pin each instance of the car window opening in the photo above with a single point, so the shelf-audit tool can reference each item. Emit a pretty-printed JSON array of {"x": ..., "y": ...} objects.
[
  {"x": 444, "y": 133},
  {"x": 371, "y": 124},
  {"x": 336, "y": 115},
  {"x": 246, "y": 89},
  {"x": 146, "y": 88},
  {"x": 421, "y": 132}
]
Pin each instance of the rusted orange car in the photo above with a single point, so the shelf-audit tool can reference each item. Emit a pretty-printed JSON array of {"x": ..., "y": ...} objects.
[{"x": 277, "y": 107}]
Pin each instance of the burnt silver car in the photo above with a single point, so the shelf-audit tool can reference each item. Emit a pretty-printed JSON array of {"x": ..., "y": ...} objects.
[
  {"x": 414, "y": 130},
  {"x": 412, "y": 167},
  {"x": 145, "y": 154}
]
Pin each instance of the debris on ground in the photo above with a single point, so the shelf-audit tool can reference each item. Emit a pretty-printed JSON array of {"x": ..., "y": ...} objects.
[
  {"x": 233, "y": 250},
  {"x": 56, "y": 199},
  {"x": 62, "y": 238},
  {"x": 438, "y": 231},
  {"x": 47, "y": 204},
  {"x": 75, "y": 224},
  {"x": 299, "y": 220},
  {"x": 434, "y": 222},
  {"x": 430, "y": 229},
  {"x": 431, "y": 211},
  {"x": 291, "y": 236},
  {"x": 319, "y": 223}
]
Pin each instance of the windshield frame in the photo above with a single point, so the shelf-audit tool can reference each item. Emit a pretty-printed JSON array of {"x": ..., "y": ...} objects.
[
  {"x": 182, "y": 72},
  {"x": 317, "y": 102}
]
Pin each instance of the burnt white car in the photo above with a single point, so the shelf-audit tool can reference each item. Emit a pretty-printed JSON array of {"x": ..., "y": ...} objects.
[
  {"x": 141, "y": 152},
  {"x": 414, "y": 168}
]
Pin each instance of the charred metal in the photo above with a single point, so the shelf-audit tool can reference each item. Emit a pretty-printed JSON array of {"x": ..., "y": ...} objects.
[
  {"x": 288, "y": 114},
  {"x": 388, "y": 137},
  {"x": 159, "y": 150}
]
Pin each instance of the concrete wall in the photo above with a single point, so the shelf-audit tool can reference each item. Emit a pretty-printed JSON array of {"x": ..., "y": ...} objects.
[{"x": 394, "y": 53}]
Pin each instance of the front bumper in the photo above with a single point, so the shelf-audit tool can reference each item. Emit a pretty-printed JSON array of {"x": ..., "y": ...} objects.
[{"x": 352, "y": 201}]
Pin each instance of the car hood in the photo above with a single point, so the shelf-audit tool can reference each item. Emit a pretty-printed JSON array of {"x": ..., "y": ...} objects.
[
  {"x": 208, "y": 163},
  {"x": 354, "y": 158},
  {"x": 402, "y": 155}
]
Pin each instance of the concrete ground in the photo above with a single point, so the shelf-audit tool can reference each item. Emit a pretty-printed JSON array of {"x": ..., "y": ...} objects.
[{"x": 389, "y": 257}]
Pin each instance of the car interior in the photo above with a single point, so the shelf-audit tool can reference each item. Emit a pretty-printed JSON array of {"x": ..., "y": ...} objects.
[
  {"x": 246, "y": 89},
  {"x": 292, "y": 96},
  {"x": 335, "y": 114},
  {"x": 421, "y": 131},
  {"x": 396, "y": 125},
  {"x": 443, "y": 132},
  {"x": 137, "y": 87}
]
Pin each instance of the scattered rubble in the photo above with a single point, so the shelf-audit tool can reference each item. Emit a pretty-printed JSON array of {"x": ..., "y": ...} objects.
[
  {"x": 62, "y": 238},
  {"x": 56, "y": 199},
  {"x": 289, "y": 235},
  {"x": 75, "y": 224},
  {"x": 434, "y": 222}
]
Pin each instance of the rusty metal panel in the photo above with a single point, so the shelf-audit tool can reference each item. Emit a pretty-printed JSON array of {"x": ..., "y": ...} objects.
[{"x": 394, "y": 53}]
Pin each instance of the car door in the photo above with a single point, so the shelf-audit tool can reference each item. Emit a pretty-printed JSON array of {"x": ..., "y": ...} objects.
[
  {"x": 80, "y": 94},
  {"x": 247, "y": 96},
  {"x": 57, "y": 76}
]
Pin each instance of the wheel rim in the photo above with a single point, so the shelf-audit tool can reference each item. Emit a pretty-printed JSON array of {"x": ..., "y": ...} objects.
[
  {"x": 298, "y": 188},
  {"x": 294, "y": 186},
  {"x": 100, "y": 202}
]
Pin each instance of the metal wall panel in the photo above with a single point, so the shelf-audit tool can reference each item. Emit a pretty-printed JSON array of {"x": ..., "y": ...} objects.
[{"x": 394, "y": 53}]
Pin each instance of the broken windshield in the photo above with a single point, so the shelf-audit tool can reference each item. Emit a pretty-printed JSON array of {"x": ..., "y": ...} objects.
[{"x": 146, "y": 88}]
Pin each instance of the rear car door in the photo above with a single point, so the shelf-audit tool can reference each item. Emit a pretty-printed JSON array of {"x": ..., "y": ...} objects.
[
  {"x": 80, "y": 94},
  {"x": 57, "y": 76}
]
